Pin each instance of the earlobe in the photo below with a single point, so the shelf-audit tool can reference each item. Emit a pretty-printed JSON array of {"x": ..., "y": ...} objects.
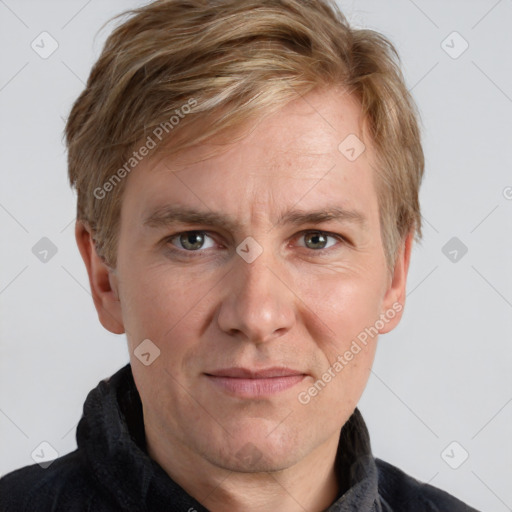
[
  {"x": 102, "y": 280},
  {"x": 394, "y": 300}
]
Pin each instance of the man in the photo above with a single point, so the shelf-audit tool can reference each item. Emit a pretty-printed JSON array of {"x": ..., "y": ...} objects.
[{"x": 247, "y": 176}]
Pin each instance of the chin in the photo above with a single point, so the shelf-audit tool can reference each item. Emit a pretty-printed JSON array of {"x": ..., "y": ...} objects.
[{"x": 258, "y": 448}]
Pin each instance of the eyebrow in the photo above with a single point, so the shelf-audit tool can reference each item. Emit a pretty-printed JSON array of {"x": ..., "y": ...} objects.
[{"x": 169, "y": 215}]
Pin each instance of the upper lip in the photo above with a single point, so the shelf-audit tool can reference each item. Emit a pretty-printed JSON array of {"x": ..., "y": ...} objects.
[{"x": 241, "y": 373}]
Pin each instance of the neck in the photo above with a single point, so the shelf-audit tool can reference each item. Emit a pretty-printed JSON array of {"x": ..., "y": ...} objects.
[{"x": 310, "y": 484}]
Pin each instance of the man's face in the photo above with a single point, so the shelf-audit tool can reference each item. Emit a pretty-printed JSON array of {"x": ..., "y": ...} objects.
[{"x": 299, "y": 304}]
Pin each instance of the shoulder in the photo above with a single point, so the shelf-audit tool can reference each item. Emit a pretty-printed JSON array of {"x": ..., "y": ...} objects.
[
  {"x": 400, "y": 491},
  {"x": 64, "y": 485}
]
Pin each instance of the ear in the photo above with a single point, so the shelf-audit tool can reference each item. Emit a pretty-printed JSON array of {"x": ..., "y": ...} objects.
[
  {"x": 394, "y": 300},
  {"x": 102, "y": 279}
]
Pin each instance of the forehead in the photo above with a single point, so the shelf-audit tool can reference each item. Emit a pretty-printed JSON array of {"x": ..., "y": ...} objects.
[
  {"x": 309, "y": 127},
  {"x": 296, "y": 154}
]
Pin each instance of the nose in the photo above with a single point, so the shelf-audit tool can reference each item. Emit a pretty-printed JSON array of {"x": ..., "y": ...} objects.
[{"x": 257, "y": 303}]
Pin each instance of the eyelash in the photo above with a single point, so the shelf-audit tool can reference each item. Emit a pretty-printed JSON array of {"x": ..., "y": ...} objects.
[{"x": 194, "y": 254}]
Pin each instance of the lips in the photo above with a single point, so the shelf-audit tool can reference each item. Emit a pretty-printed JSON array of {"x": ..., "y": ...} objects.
[
  {"x": 245, "y": 373},
  {"x": 247, "y": 383}
]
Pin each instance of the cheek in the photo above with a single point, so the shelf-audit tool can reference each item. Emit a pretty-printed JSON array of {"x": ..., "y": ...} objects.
[
  {"x": 346, "y": 308},
  {"x": 156, "y": 301},
  {"x": 335, "y": 394},
  {"x": 346, "y": 304},
  {"x": 158, "y": 305}
]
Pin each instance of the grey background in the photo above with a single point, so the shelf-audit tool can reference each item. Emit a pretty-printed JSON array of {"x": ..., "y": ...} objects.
[{"x": 443, "y": 375}]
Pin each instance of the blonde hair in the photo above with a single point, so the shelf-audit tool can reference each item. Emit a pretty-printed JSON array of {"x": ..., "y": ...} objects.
[{"x": 231, "y": 61}]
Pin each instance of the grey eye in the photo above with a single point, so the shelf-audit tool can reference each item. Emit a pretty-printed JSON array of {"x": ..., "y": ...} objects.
[
  {"x": 192, "y": 240},
  {"x": 316, "y": 240}
]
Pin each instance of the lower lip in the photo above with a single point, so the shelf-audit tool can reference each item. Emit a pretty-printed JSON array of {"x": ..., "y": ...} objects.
[{"x": 255, "y": 387}]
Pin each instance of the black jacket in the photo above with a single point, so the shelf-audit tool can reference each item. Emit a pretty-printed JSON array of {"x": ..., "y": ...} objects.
[{"x": 111, "y": 470}]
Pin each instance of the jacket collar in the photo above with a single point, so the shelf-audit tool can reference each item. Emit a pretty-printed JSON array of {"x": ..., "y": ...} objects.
[{"x": 111, "y": 438}]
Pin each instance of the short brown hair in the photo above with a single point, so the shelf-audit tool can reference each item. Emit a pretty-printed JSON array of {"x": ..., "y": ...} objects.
[{"x": 233, "y": 60}]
